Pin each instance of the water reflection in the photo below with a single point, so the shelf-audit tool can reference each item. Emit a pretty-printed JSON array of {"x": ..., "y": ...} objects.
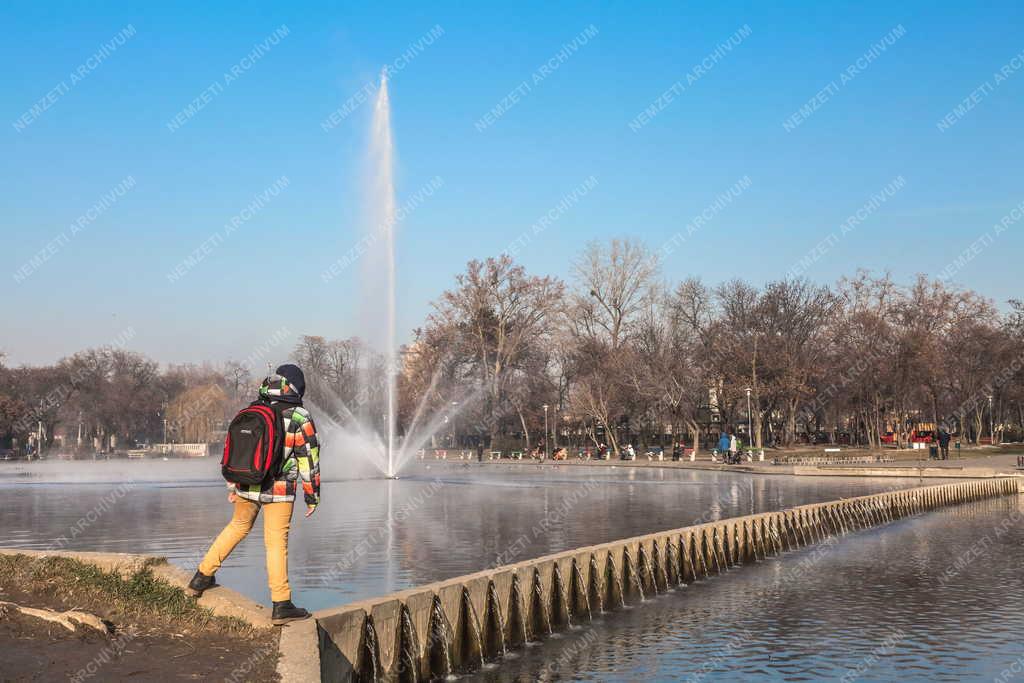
[
  {"x": 938, "y": 597},
  {"x": 371, "y": 537}
]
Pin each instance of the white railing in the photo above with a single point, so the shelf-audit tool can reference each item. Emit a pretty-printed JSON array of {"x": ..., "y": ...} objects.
[{"x": 193, "y": 450}]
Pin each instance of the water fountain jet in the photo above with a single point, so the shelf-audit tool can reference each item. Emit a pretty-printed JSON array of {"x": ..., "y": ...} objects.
[{"x": 382, "y": 446}]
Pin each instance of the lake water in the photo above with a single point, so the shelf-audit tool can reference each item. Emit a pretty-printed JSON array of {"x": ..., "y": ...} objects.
[
  {"x": 374, "y": 536},
  {"x": 879, "y": 605},
  {"x": 939, "y": 597}
]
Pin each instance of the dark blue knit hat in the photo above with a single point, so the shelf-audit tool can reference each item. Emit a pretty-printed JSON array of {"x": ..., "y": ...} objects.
[{"x": 296, "y": 380}]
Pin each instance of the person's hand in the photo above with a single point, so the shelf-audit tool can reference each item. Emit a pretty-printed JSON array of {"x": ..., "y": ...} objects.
[
  {"x": 310, "y": 509},
  {"x": 232, "y": 497}
]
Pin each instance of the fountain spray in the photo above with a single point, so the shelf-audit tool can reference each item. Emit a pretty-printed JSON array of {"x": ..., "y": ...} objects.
[
  {"x": 353, "y": 430},
  {"x": 382, "y": 157}
]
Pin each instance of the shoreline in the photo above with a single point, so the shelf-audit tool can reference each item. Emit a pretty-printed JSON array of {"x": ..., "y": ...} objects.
[
  {"x": 292, "y": 649},
  {"x": 973, "y": 467}
]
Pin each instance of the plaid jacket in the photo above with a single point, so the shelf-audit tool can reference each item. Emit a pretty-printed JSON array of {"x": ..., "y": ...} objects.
[{"x": 301, "y": 461}]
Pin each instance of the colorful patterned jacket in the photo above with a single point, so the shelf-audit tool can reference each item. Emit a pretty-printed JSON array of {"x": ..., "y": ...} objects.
[{"x": 301, "y": 459}]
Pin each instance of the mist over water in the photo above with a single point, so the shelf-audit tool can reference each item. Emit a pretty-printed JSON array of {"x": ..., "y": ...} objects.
[{"x": 156, "y": 471}]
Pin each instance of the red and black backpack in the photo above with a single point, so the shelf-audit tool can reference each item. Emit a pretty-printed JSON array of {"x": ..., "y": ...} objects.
[{"x": 254, "y": 446}]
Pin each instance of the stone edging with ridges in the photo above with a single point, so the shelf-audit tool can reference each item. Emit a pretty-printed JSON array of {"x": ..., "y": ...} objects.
[{"x": 458, "y": 624}]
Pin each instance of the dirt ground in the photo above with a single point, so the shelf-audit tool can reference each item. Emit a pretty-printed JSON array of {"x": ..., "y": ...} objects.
[{"x": 156, "y": 632}]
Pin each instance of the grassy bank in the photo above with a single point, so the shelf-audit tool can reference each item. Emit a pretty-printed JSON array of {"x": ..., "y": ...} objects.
[{"x": 157, "y": 632}]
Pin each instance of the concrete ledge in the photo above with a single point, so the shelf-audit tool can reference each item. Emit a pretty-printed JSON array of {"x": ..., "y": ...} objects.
[
  {"x": 220, "y": 600},
  {"x": 455, "y": 626},
  {"x": 300, "y": 652},
  {"x": 973, "y": 467},
  {"x": 906, "y": 471}
]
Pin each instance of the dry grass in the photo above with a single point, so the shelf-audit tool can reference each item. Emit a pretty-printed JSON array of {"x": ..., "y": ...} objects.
[{"x": 140, "y": 596}]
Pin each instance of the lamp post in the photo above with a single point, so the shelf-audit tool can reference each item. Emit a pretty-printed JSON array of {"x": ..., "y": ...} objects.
[
  {"x": 455, "y": 405},
  {"x": 39, "y": 433},
  {"x": 991, "y": 422},
  {"x": 750, "y": 428},
  {"x": 545, "y": 431}
]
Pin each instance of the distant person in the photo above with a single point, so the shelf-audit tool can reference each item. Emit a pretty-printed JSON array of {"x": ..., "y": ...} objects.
[
  {"x": 734, "y": 448},
  {"x": 479, "y": 452},
  {"x": 677, "y": 451},
  {"x": 944, "y": 438},
  {"x": 294, "y": 456}
]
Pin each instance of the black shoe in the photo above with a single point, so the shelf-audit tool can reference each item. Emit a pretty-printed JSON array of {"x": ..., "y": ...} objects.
[
  {"x": 199, "y": 583},
  {"x": 285, "y": 611}
]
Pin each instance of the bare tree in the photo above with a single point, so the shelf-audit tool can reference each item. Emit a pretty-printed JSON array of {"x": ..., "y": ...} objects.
[
  {"x": 495, "y": 320},
  {"x": 238, "y": 379},
  {"x": 613, "y": 285}
]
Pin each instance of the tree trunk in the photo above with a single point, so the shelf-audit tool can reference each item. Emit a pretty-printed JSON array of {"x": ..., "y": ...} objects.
[
  {"x": 613, "y": 443},
  {"x": 526, "y": 430},
  {"x": 790, "y": 432},
  {"x": 695, "y": 435}
]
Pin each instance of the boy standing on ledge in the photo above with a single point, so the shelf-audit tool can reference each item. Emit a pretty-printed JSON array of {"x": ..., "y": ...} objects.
[{"x": 275, "y": 496}]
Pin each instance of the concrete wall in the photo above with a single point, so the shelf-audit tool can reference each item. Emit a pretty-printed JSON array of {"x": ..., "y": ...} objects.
[{"x": 456, "y": 625}]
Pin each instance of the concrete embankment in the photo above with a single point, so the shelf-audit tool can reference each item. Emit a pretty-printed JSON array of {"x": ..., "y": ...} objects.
[
  {"x": 976, "y": 466},
  {"x": 459, "y": 624}
]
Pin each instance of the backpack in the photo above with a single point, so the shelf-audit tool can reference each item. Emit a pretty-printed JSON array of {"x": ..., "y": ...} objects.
[{"x": 254, "y": 445}]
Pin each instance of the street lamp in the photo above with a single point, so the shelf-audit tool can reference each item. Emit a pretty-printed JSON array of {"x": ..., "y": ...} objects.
[
  {"x": 750, "y": 429},
  {"x": 455, "y": 405},
  {"x": 545, "y": 431},
  {"x": 39, "y": 434},
  {"x": 991, "y": 421}
]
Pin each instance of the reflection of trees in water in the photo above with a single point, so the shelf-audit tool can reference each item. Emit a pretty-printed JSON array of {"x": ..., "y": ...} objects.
[{"x": 481, "y": 523}]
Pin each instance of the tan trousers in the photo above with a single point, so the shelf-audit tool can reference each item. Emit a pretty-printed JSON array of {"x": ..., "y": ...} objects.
[{"x": 277, "y": 519}]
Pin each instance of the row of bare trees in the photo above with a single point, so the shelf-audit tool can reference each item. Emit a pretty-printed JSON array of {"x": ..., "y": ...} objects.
[
  {"x": 616, "y": 354},
  {"x": 110, "y": 397},
  {"x": 620, "y": 354}
]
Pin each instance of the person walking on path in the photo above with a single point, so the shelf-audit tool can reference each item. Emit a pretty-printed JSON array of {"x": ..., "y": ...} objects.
[{"x": 275, "y": 495}]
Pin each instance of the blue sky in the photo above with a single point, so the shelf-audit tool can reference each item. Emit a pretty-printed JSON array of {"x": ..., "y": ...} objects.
[{"x": 878, "y": 124}]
